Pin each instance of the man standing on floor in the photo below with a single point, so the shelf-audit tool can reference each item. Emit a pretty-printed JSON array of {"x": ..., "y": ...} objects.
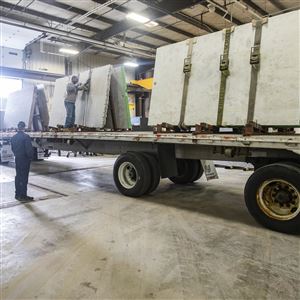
[
  {"x": 72, "y": 90},
  {"x": 23, "y": 151}
]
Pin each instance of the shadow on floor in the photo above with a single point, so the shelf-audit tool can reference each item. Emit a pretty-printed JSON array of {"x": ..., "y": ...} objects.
[{"x": 212, "y": 200}]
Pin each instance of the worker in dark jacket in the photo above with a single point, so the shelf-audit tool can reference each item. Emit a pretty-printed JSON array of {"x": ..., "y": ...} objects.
[
  {"x": 23, "y": 151},
  {"x": 71, "y": 94}
]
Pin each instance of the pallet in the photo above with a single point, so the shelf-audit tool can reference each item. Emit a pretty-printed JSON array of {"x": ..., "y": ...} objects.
[
  {"x": 80, "y": 128},
  {"x": 204, "y": 128},
  {"x": 165, "y": 128},
  {"x": 249, "y": 129}
]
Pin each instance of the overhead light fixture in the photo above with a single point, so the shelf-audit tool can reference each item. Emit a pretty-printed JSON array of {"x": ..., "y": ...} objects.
[
  {"x": 69, "y": 51},
  {"x": 131, "y": 64},
  {"x": 151, "y": 24},
  {"x": 137, "y": 18}
]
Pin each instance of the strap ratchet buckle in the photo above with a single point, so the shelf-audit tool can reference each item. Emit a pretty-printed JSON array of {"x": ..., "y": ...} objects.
[
  {"x": 255, "y": 55},
  {"x": 187, "y": 66}
]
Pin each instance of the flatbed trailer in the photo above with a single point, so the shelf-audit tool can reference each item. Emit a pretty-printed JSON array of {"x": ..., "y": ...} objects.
[{"x": 272, "y": 193}]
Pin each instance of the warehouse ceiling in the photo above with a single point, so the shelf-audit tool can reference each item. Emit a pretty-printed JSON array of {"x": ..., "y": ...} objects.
[
  {"x": 15, "y": 37},
  {"x": 104, "y": 25}
]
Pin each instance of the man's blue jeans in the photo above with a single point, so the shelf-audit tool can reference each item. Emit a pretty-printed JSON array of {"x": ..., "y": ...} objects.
[
  {"x": 70, "y": 118},
  {"x": 21, "y": 179}
]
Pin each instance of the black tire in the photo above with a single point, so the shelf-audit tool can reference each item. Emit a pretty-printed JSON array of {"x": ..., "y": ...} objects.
[
  {"x": 199, "y": 172},
  {"x": 188, "y": 171},
  {"x": 155, "y": 172},
  {"x": 142, "y": 173},
  {"x": 289, "y": 173}
]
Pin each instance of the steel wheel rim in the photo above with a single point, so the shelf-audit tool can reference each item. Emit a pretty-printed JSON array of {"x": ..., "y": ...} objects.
[
  {"x": 279, "y": 199},
  {"x": 127, "y": 174}
]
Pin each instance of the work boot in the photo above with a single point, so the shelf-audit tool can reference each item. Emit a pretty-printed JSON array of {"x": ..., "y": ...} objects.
[{"x": 24, "y": 198}]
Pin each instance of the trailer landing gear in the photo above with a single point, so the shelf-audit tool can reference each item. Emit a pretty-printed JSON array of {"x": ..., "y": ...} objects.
[{"x": 272, "y": 196}]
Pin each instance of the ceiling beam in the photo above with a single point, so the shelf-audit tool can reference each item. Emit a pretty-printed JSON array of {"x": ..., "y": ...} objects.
[
  {"x": 255, "y": 7},
  {"x": 155, "y": 36},
  {"x": 77, "y": 11},
  {"x": 220, "y": 10},
  {"x": 164, "y": 7},
  {"x": 42, "y": 15},
  {"x": 150, "y": 13},
  {"x": 29, "y": 74},
  {"x": 277, "y": 4},
  {"x": 125, "y": 10},
  {"x": 195, "y": 22},
  {"x": 65, "y": 41},
  {"x": 70, "y": 35},
  {"x": 65, "y": 21},
  {"x": 104, "y": 19}
]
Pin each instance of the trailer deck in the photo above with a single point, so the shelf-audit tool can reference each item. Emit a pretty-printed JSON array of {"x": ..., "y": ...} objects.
[
  {"x": 283, "y": 142},
  {"x": 272, "y": 193}
]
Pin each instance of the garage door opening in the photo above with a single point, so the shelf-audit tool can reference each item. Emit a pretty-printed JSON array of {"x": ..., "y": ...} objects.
[{"x": 9, "y": 85}]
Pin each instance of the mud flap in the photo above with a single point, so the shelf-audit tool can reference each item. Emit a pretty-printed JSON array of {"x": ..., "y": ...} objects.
[{"x": 209, "y": 169}]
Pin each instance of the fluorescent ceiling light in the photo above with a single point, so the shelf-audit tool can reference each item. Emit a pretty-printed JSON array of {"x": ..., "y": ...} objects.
[
  {"x": 69, "y": 51},
  {"x": 131, "y": 64},
  {"x": 138, "y": 18},
  {"x": 151, "y": 24}
]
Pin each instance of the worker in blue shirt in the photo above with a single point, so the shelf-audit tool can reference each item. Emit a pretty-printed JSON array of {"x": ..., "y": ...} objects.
[
  {"x": 70, "y": 99},
  {"x": 71, "y": 95},
  {"x": 23, "y": 151}
]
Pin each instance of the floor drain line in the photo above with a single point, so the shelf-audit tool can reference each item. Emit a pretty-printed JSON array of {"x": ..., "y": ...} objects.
[
  {"x": 47, "y": 189},
  {"x": 71, "y": 170}
]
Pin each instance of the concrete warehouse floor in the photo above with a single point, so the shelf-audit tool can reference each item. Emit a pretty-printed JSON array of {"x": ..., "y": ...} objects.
[{"x": 81, "y": 239}]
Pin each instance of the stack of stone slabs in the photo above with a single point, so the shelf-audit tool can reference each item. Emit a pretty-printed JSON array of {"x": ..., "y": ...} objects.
[
  {"x": 91, "y": 108},
  {"x": 277, "y": 97},
  {"x": 56, "y": 105},
  {"x": 41, "y": 112},
  {"x": 97, "y": 102},
  {"x": 278, "y": 89},
  {"x": 119, "y": 107},
  {"x": 168, "y": 82}
]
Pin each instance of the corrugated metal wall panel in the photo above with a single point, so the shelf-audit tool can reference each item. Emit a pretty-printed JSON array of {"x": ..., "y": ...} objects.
[
  {"x": 87, "y": 61},
  {"x": 46, "y": 57},
  {"x": 48, "y": 61}
]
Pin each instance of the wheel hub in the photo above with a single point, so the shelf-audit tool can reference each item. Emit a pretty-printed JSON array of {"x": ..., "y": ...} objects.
[
  {"x": 282, "y": 197},
  {"x": 279, "y": 199},
  {"x": 127, "y": 174}
]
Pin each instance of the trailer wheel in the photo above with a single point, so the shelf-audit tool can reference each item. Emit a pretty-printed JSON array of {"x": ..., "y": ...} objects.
[
  {"x": 189, "y": 170},
  {"x": 272, "y": 196},
  {"x": 155, "y": 172},
  {"x": 131, "y": 174},
  {"x": 199, "y": 172}
]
